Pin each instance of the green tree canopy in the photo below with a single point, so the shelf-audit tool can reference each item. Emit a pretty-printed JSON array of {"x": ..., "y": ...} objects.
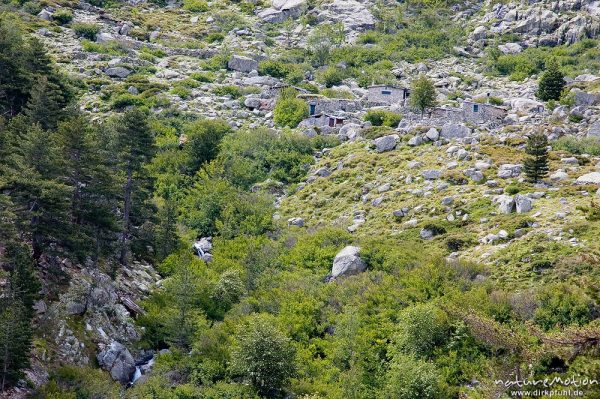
[
  {"x": 536, "y": 164},
  {"x": 422, "y": 94},
  {"x": 552, "y": 82},
  {"x": 263, "y": 355}
]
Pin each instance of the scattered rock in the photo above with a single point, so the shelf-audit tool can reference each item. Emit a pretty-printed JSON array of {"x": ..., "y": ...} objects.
[
  {"x": 432, "y": 174},
  {"x": 298, "y": 222}
]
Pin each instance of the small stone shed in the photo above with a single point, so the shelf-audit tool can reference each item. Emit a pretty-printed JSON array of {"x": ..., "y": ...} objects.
[
  {"x": 387, "y": 95},
  {"x": 318, "y": 104},
  {"x": 482, "y": 112}
]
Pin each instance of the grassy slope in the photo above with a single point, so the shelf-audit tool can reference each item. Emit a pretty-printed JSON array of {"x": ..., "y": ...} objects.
[{"x": 333, "y": 200}]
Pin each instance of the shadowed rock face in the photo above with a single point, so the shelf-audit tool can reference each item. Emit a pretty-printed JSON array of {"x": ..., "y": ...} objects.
[{"x": 117, "y": 360}]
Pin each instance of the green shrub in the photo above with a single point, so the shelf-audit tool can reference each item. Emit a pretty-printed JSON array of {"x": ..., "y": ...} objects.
[
  {"x": 575, "y": 145},
  {"x": 63, "y": 16},
  {"x": 512, "y": 190},
  {"x": 195, "y": 5},
  {"x": 214, "y": 37},
  {"x": 334, "y": 93},
  {"x": 127, "y": 100},
  {"x": 202, "y": 77},
  {"x": 422, "y": 328},
  {"x": 290, "y": 111},
  {"x": 369, "y": 37},
  {"x": 375, "y": 132},
  {"x": 561, "y": 305},
  {"x": 276, "y": 69},
  {"x": 495, "y": 100},
  {"x": 216, "y": 63},
  {"x": 263, "y": 355},
  {"x": 203, "y": 142},
  {"x": 155, "y": 52},
  {"x": 182, "y": 92},
  {"x": 86, "y": 30},
  {"x": 228, "y": 90},
  {"x": 411, "y": 378},
  {"x": 112, "y": 47},
  {"x": 575, "y": 118},
  {"x": 71, "y": 382},
  {"x": 255, "y": 155},
  {"x": 592, "y": 212},
  {"x": 331, "y": 77},
  {"x": 381, "y": 117}
]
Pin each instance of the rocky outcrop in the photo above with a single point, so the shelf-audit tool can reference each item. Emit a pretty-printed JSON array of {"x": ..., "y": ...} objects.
[
  {"x": 117, "y": 360},
  {"x": 508, "y": 170},
  {"x": 281, "y": 10},
  {"x": 538, "y": 23},
  {"x": 348, "y": 262},
  {"x": 203, "y": 248},
  {"x": 353, "y": 15}
]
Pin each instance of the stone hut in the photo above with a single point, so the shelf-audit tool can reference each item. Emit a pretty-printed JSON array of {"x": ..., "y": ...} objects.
[
  {"x": 482, "y": 112},
  {"x": 387, "y": 95},
  {"x": 318, "y": 104}
]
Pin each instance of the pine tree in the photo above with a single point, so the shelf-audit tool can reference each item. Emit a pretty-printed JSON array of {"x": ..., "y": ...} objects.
[
  {"x": 136, "y": 148},
  {"x": 551, "y": 83},
  {"x": 536, "y": 164},
  {"x": 16, "y": 313},
  {"x": 422, "y": 94},
  {"x": 86, "y": 170},
  {"x": 33, "y": 180},
  {"x": 23, "y": 65},
  {"x": 14, "y": 74},
  {"x": 167, "y": 239},
  {"x": 15, "y": 340},
  {"x": 45, "y": 104}
]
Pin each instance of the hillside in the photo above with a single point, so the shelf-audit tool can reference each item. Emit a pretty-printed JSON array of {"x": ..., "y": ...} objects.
[{"x": 299, "y": 199}]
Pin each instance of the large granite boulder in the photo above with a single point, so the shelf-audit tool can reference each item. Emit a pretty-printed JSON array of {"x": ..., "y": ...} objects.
[
  {"x": 506, "y": 204},
  {"x": 117, "y": 72},
  {"x": 348, "y": 262},
  {"x": 526, "y": 105},
  {"x": 455, "y": 131},
  {"x": 386, "y": 143},
  {"x": 594, "y": 130},
  {"x": 242, "y": 64},
  {"x": 589, "y": 178},
  {"x": 509, "y": 170},
  {"x": 523, "y": 204}
]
